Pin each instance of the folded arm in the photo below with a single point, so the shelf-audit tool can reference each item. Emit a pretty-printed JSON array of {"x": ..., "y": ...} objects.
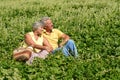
[{"x": 30, "y": 42}]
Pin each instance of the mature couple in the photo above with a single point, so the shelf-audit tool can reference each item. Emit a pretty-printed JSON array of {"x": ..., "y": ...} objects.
[{"x": 44, "y": 40}]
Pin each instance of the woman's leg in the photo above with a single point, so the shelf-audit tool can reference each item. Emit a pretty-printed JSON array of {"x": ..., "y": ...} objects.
[
  {"x": 33, "y": 55},
  {"x": 43, "y": 54}
]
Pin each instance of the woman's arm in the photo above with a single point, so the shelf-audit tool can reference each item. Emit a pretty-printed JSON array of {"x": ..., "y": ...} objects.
[
  {"x": 30, "y": 42},
  {"x": 47, "y": 44}
]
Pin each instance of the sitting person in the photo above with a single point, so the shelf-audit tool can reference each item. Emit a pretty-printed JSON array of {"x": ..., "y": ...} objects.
[
  {"x": 35, "y": 41},
  {"x": 53, "y": 35}
]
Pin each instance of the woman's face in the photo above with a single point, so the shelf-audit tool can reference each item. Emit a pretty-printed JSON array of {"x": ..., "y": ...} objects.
[{"x": 39, "y": 30}]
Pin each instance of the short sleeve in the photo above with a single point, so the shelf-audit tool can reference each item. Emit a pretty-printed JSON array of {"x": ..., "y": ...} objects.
[{"x": 60, "y": 33}]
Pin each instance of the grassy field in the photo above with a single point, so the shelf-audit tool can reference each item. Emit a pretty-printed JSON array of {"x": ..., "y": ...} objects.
[{"x": 94, "y": 25}]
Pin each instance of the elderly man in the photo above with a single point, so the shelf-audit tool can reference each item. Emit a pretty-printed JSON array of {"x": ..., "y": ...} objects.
[{"x": 53, "y": 35}]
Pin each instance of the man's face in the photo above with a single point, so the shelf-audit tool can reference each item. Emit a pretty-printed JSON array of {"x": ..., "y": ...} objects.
[{"x": 49, "y": 25}]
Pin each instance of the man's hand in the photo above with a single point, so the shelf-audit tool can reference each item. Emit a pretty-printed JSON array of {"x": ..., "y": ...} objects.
[{"x": 60, "y": 45}]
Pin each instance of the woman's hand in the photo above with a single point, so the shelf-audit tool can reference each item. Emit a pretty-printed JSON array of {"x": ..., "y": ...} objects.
[{"x": 47, "y": 48}]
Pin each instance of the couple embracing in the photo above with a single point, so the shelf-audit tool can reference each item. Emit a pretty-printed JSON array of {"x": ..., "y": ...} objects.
[{"x": 43, "y": 40}]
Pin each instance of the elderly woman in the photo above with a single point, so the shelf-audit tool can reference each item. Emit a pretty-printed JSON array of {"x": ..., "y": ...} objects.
[{"x": 37, "y": 43}]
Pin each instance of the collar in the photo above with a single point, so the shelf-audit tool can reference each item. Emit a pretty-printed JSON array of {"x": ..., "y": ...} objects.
[{"x": 44, "y": 31}]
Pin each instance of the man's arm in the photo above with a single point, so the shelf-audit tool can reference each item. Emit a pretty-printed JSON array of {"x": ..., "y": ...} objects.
[{"x": 65, "y": 39}]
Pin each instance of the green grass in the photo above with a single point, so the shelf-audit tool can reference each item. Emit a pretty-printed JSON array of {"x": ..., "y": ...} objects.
[{"x": 94, "y": 25}]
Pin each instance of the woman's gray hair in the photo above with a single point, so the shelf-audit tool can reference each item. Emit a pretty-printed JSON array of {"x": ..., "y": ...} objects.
[
  {"x": 36, "y": 25},
  {"x": 44, "y": 19}
]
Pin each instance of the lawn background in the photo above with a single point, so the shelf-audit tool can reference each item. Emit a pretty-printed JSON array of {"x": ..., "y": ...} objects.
[{"x": 94, "y": 25}]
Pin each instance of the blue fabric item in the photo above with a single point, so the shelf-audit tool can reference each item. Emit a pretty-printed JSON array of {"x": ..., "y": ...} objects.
[{"x": 68, "y": 49}]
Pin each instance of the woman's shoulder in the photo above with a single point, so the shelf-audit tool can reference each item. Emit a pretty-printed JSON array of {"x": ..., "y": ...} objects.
[{"x": 29, "y": 33}]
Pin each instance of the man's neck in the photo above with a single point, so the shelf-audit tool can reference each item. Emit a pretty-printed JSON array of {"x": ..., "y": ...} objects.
[{"x": 48, "y": 31}]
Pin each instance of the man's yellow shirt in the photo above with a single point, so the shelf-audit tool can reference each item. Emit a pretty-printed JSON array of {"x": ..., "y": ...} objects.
[{"x": 53, "y": 37}]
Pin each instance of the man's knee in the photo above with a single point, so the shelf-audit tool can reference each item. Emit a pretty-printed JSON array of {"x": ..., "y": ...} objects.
[{"x": 70, "y": 41}]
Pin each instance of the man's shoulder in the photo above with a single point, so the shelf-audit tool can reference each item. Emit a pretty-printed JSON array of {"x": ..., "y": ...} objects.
[{"x": 56, "y": 30}]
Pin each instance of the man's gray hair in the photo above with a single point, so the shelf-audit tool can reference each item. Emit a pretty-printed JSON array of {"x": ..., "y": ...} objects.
[
  {"x": 44, "y": 19},
  {"x": 36, "y": 25}
]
